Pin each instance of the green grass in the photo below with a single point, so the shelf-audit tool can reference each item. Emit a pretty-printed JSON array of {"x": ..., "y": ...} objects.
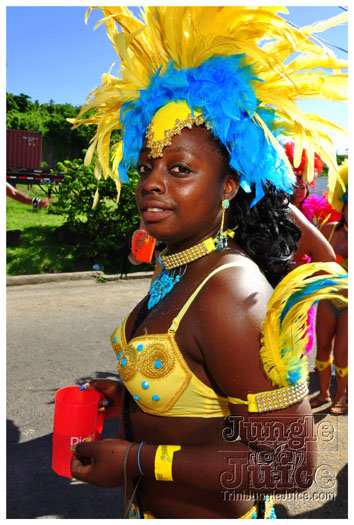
[{"x": 39, "y": 251}]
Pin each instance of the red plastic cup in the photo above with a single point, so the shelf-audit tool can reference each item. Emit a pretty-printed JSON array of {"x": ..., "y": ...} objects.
[
  {"x": 143, "y": 245},
  {"x": 76, "y": 419}
]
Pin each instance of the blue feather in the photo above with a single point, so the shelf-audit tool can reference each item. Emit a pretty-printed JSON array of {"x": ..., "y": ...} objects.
[
  {"x": 307, "y": 290},
  {"x": 223, "y": 90}
]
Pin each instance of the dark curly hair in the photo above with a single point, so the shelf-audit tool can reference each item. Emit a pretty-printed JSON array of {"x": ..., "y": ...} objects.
[{"x": 264, "y": 231}]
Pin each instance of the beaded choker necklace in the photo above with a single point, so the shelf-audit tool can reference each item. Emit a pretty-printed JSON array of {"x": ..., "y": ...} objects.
[{"x": 169, "y": 276}]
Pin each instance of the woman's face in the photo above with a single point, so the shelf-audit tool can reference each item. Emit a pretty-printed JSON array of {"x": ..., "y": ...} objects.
[
  {"x": 300, "y": 193},
  {"x": 179, "y": 195}
]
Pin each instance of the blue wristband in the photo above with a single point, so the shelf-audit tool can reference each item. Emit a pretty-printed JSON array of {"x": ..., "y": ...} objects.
[{"x": 138, "y": 458}]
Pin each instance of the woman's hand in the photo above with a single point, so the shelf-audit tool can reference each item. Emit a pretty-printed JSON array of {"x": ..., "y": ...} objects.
[
  {"x": 101, "y": 463},
  {"x": 112, "y": 391}
]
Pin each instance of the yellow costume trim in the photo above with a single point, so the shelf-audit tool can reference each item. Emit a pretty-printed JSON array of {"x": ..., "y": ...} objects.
[
  {"x": 167, "y": 122},
  {"x": 252, "y": 513},
  {"x": 273, "y": 399},
  {"x": 191, "y": 254},
  {"x": 163, "y": 462},
  {"x": 341, "y": 371},
  {"x": 177, "y": 392},
  {"x": 322, "y": 365}
]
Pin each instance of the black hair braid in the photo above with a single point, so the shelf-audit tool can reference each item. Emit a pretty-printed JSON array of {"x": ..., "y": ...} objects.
[{"x": 265, "y": 231}]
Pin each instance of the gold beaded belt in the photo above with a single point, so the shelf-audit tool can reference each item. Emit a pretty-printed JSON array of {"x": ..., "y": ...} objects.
[{"x": 273, "y": 399}]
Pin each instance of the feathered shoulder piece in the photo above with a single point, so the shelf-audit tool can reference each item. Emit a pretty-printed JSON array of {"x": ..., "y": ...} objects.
[
  {"x": 285, "y": 329},
  {"x": 240, "y": 68}
]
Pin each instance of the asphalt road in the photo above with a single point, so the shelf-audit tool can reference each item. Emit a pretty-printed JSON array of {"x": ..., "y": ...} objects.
[{"x": 58, "y": 335}]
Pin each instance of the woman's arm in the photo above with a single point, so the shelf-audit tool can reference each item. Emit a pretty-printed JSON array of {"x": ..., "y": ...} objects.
[
  {"x": 19, "y": 196},
  {"x": 276, "y": 453},
  {"x": 312, "y": 242},
  {"x": 255, "y": 453}
]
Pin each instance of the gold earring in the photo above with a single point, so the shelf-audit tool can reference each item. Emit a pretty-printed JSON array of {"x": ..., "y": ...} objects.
[
  {"x": 221, "y": 238},
  {"x": 225, "y": 204}
]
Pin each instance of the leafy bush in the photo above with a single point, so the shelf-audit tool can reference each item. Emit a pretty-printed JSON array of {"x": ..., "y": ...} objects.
[
  {"x": 102, "y": 234},
  {"x": 50, "y": 119}
]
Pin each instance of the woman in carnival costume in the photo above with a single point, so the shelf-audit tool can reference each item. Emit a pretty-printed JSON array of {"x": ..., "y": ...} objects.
[
  {"x": 316, "y": 209},
  {"x": 200, "y": 104},
  {"x": 312, "y": 245},
  {"x": 332, "y": 319}
]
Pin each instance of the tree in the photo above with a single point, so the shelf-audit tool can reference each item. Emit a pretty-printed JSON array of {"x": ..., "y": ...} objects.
[
  {"x": 101, "y": 234},
  {"x": 50, "y": 119}
]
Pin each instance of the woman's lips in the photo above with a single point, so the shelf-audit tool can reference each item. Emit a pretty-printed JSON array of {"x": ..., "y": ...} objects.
[
  {"x": 155, "y": 214},
  {"x": 154, "y": 210}
]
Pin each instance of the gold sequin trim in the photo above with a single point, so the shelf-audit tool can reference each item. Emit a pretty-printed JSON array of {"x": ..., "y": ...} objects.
[
  {"x": 117, "y": 347},
  {"x": 128, "y": 370},
  {"x": 157, "y": 146},
  {"x": 153, "y": 354}
]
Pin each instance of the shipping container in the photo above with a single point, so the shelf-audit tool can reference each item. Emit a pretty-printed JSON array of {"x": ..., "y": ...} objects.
[{"x": 23, "y": 149}]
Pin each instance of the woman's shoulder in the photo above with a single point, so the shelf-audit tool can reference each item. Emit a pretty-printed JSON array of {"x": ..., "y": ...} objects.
[
  {"x": 228, "y": 317},
  {"x": 328, "y": 228},
  {"x": 238, "y": 287},
  {"x": 238, "y": 275}
]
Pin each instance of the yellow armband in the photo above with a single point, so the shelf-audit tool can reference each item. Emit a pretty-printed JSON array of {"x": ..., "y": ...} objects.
[{"x": 163, "y": 462}]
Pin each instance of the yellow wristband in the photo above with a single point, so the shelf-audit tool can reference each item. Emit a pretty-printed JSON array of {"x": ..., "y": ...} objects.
[{"x": 163, "y": 462}]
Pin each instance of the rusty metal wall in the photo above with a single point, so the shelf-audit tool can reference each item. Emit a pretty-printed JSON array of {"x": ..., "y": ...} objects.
[{"x": 23, "y": 149}]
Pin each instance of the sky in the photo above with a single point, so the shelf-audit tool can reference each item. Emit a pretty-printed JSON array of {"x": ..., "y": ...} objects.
[{"x": 51, "y": 54}]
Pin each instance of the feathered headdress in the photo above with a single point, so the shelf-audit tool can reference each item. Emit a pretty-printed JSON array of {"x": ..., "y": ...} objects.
[
  {"x": 231, "y": 67},
  {"x": 318, "y": 210},
  {"x": 301, "y": 171}
]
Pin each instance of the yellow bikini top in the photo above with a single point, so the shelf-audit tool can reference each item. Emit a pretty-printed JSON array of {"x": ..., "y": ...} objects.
[{"x": 157, "y": 376}]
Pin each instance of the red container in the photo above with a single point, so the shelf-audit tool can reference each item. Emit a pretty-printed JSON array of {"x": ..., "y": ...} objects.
[
  {"x": 76, "y": 419},
  {"x": 23, "y": 149},
  {"x": 143, "y": 245}
]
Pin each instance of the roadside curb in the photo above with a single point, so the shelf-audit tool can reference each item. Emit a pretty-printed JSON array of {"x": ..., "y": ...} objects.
[{"x": 18, "y": 280}]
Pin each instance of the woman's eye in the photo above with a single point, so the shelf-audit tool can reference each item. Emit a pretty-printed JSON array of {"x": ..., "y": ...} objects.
[
  {"x": 143, "y": 169},
  {"x": 180, "y": 169}
]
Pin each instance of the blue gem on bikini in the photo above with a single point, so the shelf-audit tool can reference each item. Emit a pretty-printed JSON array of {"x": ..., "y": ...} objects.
[
  {"x": 145, "y": 385},
  {"x": 158, "y": 364},
  {"x": 123, "y": 361},
  {"x": 155, "y": 398},
  {"x": 139, "y": 348}
]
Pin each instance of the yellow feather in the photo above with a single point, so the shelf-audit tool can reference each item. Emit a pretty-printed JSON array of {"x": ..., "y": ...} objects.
[
  {"x": 283, "y": 345},
  {"x": 318, "y": 27},
  {"x": 192, "y": 34}
]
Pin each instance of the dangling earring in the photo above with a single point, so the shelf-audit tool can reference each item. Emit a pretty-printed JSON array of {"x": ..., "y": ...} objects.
[
  {"x": 221, "y": 238},
  {"x": 225, "y": 204}
]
